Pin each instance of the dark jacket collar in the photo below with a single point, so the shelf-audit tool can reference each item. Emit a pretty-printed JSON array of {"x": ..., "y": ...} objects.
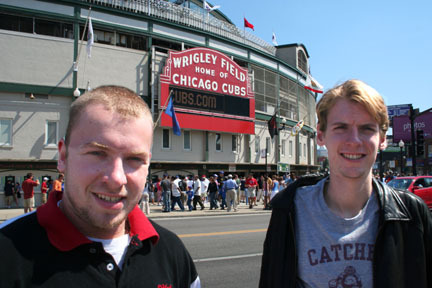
[
  {"x": 65, "y": 236},
  {"x": 392, "y": 206}
]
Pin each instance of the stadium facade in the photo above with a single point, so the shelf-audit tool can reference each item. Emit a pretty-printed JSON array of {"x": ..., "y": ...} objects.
[{"x": 225, "y": 84}]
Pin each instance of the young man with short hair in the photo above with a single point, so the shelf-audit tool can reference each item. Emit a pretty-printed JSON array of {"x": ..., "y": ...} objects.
[
  {"x": 94, "y": 234},
  {"x": 347, "y": 229}
]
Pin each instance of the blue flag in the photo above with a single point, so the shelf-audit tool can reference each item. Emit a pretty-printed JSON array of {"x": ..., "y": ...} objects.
[{"x": 170, "y": 112}]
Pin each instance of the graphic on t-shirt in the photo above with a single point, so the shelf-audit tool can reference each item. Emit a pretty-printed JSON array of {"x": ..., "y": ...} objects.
[{"x": 347, "y": 279}]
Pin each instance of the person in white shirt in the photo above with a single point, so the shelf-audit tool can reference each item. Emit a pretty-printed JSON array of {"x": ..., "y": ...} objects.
[
  {"x": 176, "y": 193},
  {"x": 204, "y": 186},
  {"x": 197, "y": 193}
]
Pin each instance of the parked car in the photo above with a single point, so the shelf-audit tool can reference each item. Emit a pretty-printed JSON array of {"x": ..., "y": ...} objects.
[{"x": 419, "y": 185}]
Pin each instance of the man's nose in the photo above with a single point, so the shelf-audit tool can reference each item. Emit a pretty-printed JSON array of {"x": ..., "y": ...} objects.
[
  {"x": 354, "y": 136},
  {"x": 116, "y": 173}
]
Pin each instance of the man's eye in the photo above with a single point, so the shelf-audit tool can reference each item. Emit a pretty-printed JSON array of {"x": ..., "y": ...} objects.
[
  {"x": 137, "y": 159},
  {"x": 96, "y": 153}
]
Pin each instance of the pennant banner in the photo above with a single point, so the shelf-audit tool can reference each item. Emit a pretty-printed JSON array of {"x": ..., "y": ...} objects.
[
  {"x": 170, "y": 112},
  {"x": 313, "y": 89},
  {"x": 90, "y": 38},
  {"x": 272, "y": 127},
  {"x": 297, "y": 128}
]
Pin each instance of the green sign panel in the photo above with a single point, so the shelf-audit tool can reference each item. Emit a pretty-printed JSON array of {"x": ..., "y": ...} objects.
[{"x": 283, "y": 167}]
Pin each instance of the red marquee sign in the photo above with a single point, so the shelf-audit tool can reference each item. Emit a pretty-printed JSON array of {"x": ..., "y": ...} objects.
[{"x": 209, "y": 90}]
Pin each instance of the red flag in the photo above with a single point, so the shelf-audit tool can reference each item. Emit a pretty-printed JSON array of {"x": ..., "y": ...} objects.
[{"x": 248, "y": 25}]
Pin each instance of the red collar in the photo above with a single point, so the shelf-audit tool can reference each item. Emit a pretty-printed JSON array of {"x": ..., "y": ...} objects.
[{"x": 65, "y": 236}]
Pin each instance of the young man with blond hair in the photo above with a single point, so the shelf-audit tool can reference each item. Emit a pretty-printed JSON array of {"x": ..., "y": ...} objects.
[
  {"x": 347, "y": 229},
  {"x": 94, "y": 234}
]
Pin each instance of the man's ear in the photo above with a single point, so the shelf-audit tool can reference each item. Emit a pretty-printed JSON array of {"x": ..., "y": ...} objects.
[
  {"x": 383, "y": 143},
  {"x": 320, "y": 137},
  {"x": 61, "y": 162}
]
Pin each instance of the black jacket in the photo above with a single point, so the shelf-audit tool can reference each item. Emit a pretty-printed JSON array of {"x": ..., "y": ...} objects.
[{"x": 403, "y": 247}]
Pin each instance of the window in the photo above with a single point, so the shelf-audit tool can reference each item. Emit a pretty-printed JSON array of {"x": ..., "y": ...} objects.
[
  {"x": 299, "y": 146},
  {"x": 51, "y": 28},
  {"x": 6, "y": 132},
  {"x": 302, "y": 61},
  {"x": 166, "y": 139},
  {"x": 36, "y": 25},
  {"x": 283, "y": 147},
  {"x": 304, "y": 149},
  {"x": 186, "y": 140},
  {"x": 218, "y": 142},
  {"x": 130, "y": 41},
  {"x": 234, "y": 143},
  {"x": 51, "y": 133},
  {"x": 257, "y": 144},
  {"x": 268, "y": 145},
  {"x": 290, "y": 148},
  {"x": 16, "y": 23}
]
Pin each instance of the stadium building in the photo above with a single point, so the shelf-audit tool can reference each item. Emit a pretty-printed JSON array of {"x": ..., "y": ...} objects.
[{"x": 227, "y": 86}]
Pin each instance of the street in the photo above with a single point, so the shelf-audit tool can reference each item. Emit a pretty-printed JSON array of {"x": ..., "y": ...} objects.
[{"x": 226, "y": 249}]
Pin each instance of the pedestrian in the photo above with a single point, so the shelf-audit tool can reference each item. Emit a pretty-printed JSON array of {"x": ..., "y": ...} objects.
[
  {"x": 204, "y": 186},
  {"x": 145, "y": 203},
  {"x": 268, "y": 184},
  {"x": 94, "y": 234},
  {"x": 222, "y": 191},
  {"x": 197, "y": 193},
  {"x": 230, "y": 186},
  {"x": 243, "y": 194},
  {"x": 347, "y": 229},
  {"x": 44, "y": 190},
  {"x": 251, "y": 186},
  {"x": 9, "y": 193},
  {"x": 158, "y": 191},
  {"x": 190, "y": 196},
  {"x": 28, "y": 192},
  {"x": 259, "y": 191},
  {"x": 166, "y": 193},
  {"x": 58, "y": 183},
  {"x": 274, "y": 186},
  {"x": 176, "y": 193},
  {"x": 238, "y": 182},
  {"x": 212, "y": 192},
  {"x": 17, "y": 192}
]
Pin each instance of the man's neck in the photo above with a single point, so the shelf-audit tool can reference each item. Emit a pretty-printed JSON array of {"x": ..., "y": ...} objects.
[{"x": 347, "y": 198}]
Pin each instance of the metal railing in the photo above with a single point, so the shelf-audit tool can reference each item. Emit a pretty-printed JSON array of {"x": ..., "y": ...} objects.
[{"x": 188, "y": 17}]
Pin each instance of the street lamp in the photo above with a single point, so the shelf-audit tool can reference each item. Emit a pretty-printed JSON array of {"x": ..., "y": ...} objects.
[{"x": 401, "y": 146}]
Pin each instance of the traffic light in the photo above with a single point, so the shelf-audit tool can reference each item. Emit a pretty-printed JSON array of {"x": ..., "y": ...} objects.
[{"x": 420, "y": 142}]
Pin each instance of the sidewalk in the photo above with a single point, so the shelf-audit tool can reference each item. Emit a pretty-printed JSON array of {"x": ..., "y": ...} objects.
[{"x": 156, "y": 212}]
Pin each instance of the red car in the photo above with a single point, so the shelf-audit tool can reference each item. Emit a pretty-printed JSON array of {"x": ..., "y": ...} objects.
[{"x": 419, "y": 185}]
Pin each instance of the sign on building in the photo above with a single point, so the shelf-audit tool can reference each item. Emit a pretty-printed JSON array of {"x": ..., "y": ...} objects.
[
  {"x": 402, "y": 126},
  {"x": 209, "y": 90}
]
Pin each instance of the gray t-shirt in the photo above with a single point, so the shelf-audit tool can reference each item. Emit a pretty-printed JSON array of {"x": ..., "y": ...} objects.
[{"x": 334, "y": 251}]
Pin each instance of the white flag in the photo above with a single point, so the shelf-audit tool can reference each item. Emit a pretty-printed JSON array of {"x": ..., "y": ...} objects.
[
  {"x": 90, "y": 38},
  {"x": 208, "y": 8},
  {"x": 274, "y": 39}
]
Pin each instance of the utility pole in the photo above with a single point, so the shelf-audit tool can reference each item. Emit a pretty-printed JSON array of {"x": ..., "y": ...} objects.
[{"x": 412, "y": 116}]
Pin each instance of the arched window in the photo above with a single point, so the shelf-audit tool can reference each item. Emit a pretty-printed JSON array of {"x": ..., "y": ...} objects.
[{"x": 302, "y": 61}]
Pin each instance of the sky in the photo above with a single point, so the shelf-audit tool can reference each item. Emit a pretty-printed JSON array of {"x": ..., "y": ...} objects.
[{"x": 386, "y": 44}]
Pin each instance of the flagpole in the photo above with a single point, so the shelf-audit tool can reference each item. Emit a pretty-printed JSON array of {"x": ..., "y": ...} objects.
[
  {"x": 82, "y": 40},
  {"x": 162, "y": 110}
]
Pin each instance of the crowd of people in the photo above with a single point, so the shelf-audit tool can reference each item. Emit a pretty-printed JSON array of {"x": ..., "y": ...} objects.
[
  {"x": 16, "y": 191},
  {"x": 219, "y": 191}
]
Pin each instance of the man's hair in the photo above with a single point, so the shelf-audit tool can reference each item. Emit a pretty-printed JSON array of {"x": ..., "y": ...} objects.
[
  {"x": 358, "y": 92},
  {"x": 29, "y": 175},
  {"x": 114, "y": 98}
]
